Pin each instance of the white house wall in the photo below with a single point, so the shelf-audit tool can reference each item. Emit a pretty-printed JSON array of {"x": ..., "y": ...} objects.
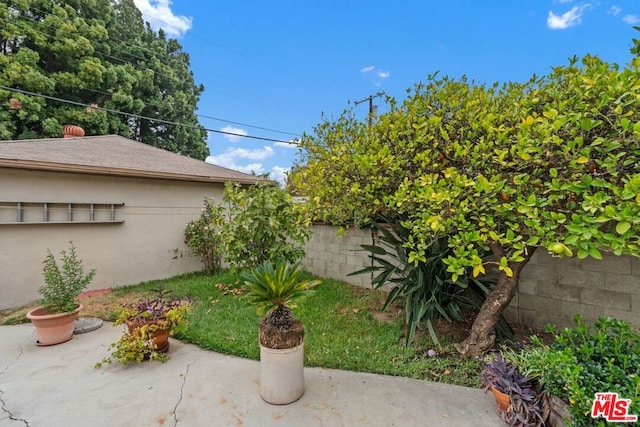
[{"x": 148, "y": 245}]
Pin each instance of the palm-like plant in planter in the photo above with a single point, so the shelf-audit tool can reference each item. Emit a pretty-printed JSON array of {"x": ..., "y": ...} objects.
[
  {"x": 55, "y": 319},
  {"x": 275, "y": 290}
]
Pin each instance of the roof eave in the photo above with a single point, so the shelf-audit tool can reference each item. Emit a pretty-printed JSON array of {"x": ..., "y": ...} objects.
[{"x": 95, "y": 170}]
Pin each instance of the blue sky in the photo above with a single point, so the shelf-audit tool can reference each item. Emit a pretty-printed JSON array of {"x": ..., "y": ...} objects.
[{"x": 279, "y": 65}]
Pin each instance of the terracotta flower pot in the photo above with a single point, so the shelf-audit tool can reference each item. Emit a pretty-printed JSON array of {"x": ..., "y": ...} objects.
[
  {"x": 53, "y": 328},
  {"x": 160, "y": 336},
  {"x": 502, "y": 400}
]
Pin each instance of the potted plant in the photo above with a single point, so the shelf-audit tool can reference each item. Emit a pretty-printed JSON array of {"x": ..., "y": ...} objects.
[
  {"x": 148, "y": 324},
  {"x": 275, "y": 290},
  {"x": 54, "y": 319},
  {"x": 519, "y": 404}
]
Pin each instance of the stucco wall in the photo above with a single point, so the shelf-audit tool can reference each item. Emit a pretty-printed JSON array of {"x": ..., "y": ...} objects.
[
  {"x": 148, "y": 245},
  {"x": 552, "y": 290}
]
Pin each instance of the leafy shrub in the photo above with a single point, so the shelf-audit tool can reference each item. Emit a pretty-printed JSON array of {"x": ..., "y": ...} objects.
[
  {"x": 583, "y": 360},
  {"x": 264, "y": 225},
  {"x": 63, "y": 285},
  {"x": 204, "y": 235},
  {"x": 428, "y": 289}
]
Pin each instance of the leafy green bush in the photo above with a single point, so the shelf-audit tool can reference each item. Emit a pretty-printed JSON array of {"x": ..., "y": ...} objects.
[
  {"x": 204, "y": 235},
  {"x": 428, "y": 289},
  {"x": 62, "y": 286},
  {"x": 264, "y": 225},
  {"x": 582, "y": 361}
]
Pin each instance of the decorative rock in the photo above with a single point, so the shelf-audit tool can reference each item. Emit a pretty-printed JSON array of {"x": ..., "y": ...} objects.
[{"x": 87, "y": 324}]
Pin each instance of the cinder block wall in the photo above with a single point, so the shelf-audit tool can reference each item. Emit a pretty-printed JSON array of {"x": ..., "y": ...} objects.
[
  {"x": 334, "y": 255},
  {"x": 552, "y": 290}
]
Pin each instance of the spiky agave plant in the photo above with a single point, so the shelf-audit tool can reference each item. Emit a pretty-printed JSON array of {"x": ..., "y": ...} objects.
[{"x": 275, "y": 290}]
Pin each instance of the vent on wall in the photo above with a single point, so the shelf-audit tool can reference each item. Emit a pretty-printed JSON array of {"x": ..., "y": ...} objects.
[{"x": 59, "y": 213}]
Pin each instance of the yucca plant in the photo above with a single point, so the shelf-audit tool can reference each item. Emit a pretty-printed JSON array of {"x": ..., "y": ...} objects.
[
  {"x": 427, "y": 288},
  {"x": 275, "y": 289}
]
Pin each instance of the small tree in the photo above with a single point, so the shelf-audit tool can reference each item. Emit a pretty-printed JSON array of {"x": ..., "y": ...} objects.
[
  {"x": 550, "y": 163},
  {"x": 264, "y": 225},
  {"x": 204, "y": 235}
]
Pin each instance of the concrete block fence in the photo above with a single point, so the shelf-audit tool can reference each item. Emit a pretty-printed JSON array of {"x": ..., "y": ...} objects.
[{"x": 552, "y": 290}]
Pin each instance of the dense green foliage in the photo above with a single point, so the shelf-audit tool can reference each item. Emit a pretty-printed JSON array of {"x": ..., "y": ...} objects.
[
  {"x": 63, "y": 284},
  {"x": 553, "y": 162},
  {"x": 204, "y": 235},
  {"x": 255, "y": 224},
  {"x": 583, "y": 360},
  {"x": 264, "y": 225},
  {"x": 95, "y": 53},
  {"x": 427, "y": 288}
]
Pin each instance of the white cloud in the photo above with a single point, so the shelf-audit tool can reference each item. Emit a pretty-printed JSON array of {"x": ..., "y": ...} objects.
[
  {"x": 614, "y": 10},
  {"x": 237, "y": 131},
  {"x": 367, "y": 69},
  {"x": 293, "y": 143},
  {"x": 383, "y": 74},
  {"x": 631, "y": 19},
  {"x": 159, "y": 14},
  {"x": 567, "y": 19},
  {"x": 231, "y": 155},
  {"x": 278, "y": 173}
]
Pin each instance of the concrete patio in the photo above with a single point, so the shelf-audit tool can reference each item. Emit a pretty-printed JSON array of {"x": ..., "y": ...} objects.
[{"x": 59, "y": 386}]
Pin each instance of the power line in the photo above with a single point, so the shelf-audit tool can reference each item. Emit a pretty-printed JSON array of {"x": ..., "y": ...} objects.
[
  {"x": 202, "y": 115},
  {"x": 169, "y": 122},
  {"x": 50, "y": 25}
]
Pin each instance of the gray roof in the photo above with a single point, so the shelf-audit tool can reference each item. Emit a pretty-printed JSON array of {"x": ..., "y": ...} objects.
[{"x": 112, "y": 155}]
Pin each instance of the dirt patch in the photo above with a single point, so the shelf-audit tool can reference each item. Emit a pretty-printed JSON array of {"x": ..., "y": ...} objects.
[
  {"x": 92, "y": 294},
  {"x": 100, "y": 303},
  {"x": 103, "y": 303},
  {"x": 455, "y": 331}
]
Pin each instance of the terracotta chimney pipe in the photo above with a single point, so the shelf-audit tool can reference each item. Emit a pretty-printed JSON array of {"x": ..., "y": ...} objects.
[{"x": 72, "y": 131}]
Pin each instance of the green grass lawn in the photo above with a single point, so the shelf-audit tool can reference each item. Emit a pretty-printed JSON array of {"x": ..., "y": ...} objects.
[{"x": 341, "y": 332}]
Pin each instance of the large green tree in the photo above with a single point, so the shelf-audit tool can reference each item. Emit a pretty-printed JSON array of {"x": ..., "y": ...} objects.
[
  {"x": 95, "y": 53},
  {"x": 551, "y": 163}
]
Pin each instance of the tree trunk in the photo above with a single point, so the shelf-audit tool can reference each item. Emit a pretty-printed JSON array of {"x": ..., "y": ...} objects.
[{"x": 482, "y": 336}]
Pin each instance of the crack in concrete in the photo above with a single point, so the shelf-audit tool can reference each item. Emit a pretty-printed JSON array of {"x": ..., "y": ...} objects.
[
  {"x": 18, "y": 356},
  {"x": 184, "y": 381},
  {"x": 4, "y": 371},
  {"x": 11, "y": 417}
]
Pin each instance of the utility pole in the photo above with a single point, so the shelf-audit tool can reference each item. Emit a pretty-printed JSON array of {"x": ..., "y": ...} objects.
[{"x": 372, "y": 108}]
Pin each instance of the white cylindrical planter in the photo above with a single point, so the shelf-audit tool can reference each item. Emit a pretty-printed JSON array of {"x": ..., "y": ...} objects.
[{"x": 281, "y": 374}]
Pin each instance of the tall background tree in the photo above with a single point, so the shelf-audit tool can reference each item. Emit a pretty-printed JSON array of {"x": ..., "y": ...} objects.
[
  {"x": 552, "y": 163},
  {"x": 95, "y": 54}
]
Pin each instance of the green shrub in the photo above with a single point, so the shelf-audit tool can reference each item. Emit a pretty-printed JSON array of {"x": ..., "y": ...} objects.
[
  {"x": 583, "y": 360},
  {"x": 63, "y": 285},
  {"x": 204, "y": 235},
  {"x": 264, "y": 225}
]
